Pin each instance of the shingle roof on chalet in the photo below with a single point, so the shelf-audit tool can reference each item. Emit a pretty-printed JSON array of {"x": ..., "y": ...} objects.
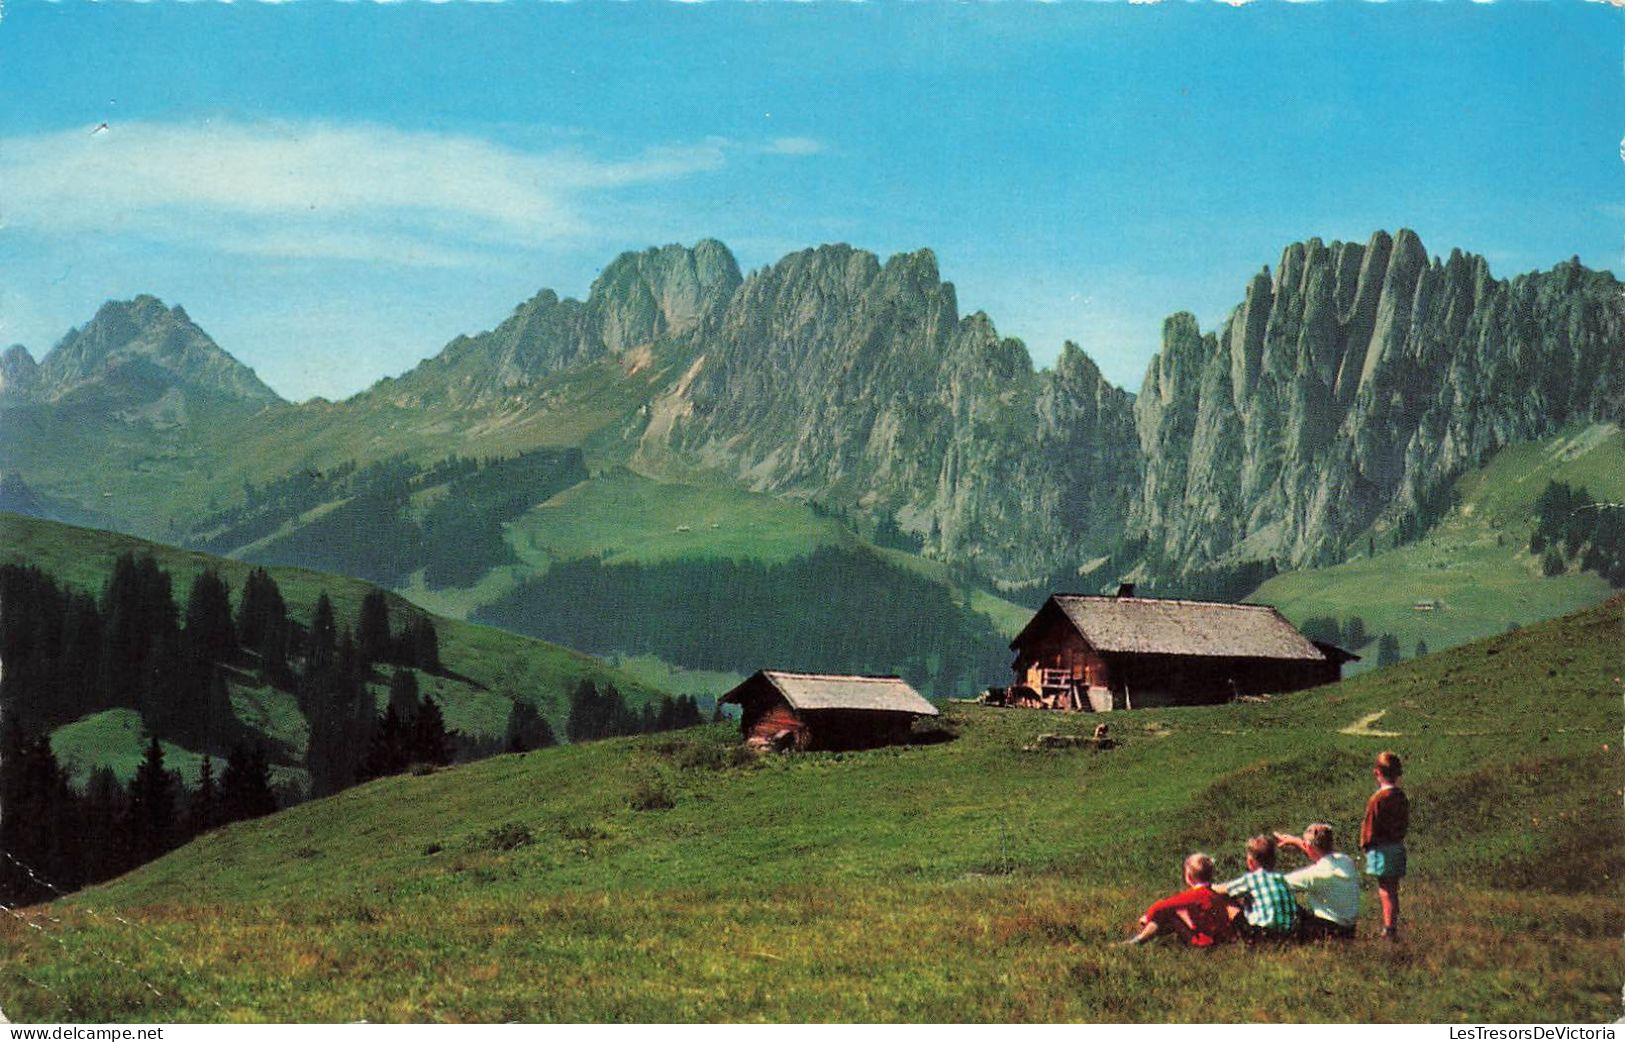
[
  {"x": 1152, "y": 626},
  {"x": 813, "y": 691}
]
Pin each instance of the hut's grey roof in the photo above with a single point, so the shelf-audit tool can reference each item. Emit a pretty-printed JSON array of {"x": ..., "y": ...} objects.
[
  {"x": 1335, "y": 652},
  {"x": 814, "y": 691},
  {"x": 1153, "y": 626}
]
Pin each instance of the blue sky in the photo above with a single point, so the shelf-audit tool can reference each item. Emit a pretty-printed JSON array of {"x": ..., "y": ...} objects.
[{"x": 335, "y": 190}]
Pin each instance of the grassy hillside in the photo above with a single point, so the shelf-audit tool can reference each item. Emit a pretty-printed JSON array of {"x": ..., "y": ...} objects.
[
  {"x": 150, "y": 477},
  {"x": 959, "y": 879},
  {"x": 623, "y": 517},
  {"x": 486, "y": 669},
  {"x": 619, "y": 517},
  {"x": 1474, "y": 565}
]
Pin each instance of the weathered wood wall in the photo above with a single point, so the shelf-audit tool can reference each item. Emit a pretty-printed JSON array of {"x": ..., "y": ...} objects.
[
  {"x": 775, "y": 725},
  {"x": 1149, "y": 681}
]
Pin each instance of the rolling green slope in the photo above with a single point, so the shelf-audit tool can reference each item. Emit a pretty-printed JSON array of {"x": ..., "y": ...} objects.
[
  {"x": 1474, "y": 567},
  {"x": 960, "y": 878},
  {"x": 620, "y": 518},
  {"x": 157, "y": 480},
  {"x": 486, "y": 669}
]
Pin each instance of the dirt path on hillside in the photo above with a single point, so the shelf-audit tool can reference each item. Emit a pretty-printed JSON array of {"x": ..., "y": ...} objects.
[{"x": 1364, "y": 729}]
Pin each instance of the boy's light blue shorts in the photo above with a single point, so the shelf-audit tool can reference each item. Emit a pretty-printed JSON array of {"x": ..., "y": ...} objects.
[{"x": 1386, "y": 861}]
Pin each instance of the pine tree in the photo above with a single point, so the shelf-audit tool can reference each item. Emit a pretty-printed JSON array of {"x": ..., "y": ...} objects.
[
  {"x": 403, "y": 694},
  {"x": 528, "y": 729},
  {"x": 245, "y": 785},
  {"x": 141, "y": 631},
  {"x": 203, "y": 813},
  {"x": 1421, "y": 648},
  {"x": 262, "y": 625},
  {"x": 431, "y": 742},
  {"x": 425, "y": 645},
  {"x": 617, "y": 718},
  {"x": 106, "y": 852},
  {"x": 582, "y": 723},
  {"x": 1387, "y": 650},
  {"x": 372, "y": 632},
  {"x": 341, "y": 715},
  {"x": 210, "y": 634},
  {"x": 389, "y": 747},
  {"x": 322, "y": 644},
  {"x": 152, "y": 805},
  {"x": 40, "y": 826},
  {"x": 81, "y": 655}
]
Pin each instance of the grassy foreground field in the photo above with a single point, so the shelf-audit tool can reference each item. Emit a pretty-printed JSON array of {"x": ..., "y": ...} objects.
[{"x": 960, "y": 878}]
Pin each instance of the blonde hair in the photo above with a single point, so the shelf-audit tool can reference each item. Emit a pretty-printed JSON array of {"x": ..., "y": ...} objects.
[
  {"x": 1388, "y": 766},
  {"x": 1319, "y": 836},
  {"x": 1262, "y": 850},
  {"x": 1199, "y": 868}
]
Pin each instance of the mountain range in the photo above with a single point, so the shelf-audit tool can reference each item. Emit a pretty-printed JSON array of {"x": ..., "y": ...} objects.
[{"x": 1348, "y": 389}]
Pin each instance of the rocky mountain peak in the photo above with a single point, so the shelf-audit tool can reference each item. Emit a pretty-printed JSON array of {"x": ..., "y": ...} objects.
[
  {"x": 146, "y": 340},
  {"x": 19, "y": 373},
  {"x": 1351, "y": 386},
  {"x": 661, "y": 292}
]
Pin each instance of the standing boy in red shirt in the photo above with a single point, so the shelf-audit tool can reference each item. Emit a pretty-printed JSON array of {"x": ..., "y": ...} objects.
[
  {"x": 1198, "y": 916},
  {"x": 1382, "y": 837}
]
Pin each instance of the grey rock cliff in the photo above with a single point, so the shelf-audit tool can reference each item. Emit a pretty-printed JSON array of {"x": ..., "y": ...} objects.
[
  {"x": 661, "y": 293},
  {"x": 1352, "y": 386},
  {"x": 836, "y": 378}
]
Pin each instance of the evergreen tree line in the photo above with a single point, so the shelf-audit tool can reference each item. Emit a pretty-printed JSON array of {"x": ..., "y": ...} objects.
[
  {"x": 1431, "y": 508},
  {"x": 596, "y": 714},
  {"x": 835, "y": 610},
  {"x": 410, "y": 731},
  {"x": 332, "y": 693},
  {"x": 1351, "y": 634},
  {"x": 68, "y": 655},
  {"x": 54, "y": 838},
  {"x": 266, "y": 508},
  {"x": 462, "y": 531},
  {"x": 374, "y": 532},
  {"x": 1573, "y": 527}
]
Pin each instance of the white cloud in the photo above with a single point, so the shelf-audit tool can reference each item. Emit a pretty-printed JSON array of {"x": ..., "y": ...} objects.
[{"x": 350, "y": 191}]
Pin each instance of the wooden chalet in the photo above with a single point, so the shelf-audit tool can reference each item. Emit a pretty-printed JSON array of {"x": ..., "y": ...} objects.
[
  {"x": 823, "y": 711},
  {"x": 1127, "y": 652}
]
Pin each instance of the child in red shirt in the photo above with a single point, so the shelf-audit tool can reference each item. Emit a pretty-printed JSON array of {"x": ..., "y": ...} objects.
[
  {"x": 1198, "y": 916},
  {"x": 1382, "y": 837}
]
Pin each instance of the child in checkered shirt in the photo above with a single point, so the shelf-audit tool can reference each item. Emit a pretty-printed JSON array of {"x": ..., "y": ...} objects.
[{"x": 1271, "y": 910}]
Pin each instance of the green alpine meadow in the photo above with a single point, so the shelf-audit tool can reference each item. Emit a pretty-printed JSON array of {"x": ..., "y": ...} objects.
[
  {"x": 677, "y": 513},
  {"x": 968, "y": 875}
]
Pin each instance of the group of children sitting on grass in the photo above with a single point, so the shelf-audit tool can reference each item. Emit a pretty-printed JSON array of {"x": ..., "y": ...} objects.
[{"x": 1262, "y": 904}]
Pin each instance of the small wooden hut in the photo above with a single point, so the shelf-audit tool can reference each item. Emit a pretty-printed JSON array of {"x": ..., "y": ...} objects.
[
  {"x": 823, "y": 711},
  {"x": 1128, "y": 652}
]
